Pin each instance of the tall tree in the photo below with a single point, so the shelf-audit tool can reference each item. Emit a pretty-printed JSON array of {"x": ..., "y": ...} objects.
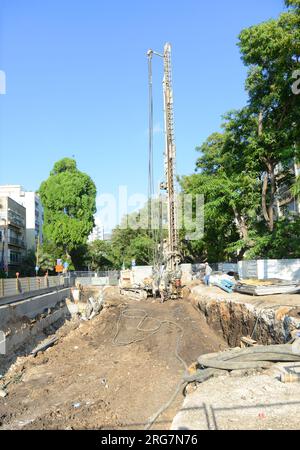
[
  {"x": 229, "y": 181},
  {"x": 69, "y": 200},
  {"x": 99, "y": 256},
  {"x": 271, "y": 50}
]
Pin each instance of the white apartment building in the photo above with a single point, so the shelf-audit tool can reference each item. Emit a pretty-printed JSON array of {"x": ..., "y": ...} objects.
[
  {"x": 98, "y": 232},
  {"x": 34, "y": 212},
  {"x": 12, "y": 233}
]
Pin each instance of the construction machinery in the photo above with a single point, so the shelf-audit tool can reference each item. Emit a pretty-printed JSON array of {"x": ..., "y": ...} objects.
[
  {"x": 167, "y": 260},
  {"x": 166, "y": 277}
]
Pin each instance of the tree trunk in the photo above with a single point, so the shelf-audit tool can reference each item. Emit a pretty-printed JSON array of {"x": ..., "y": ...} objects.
[
  {"x": 264, "y": 196},
  {"x": 268, "y": 206},
  {"x": 272, "y": 196},
  {"x": 268, "y": 210},
  {"x": 240, "y": 224}
]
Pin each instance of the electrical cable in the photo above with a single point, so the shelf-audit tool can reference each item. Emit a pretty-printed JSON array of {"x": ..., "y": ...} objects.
[
  {"x": 154, "y": 231},
  {"x": 142, "y": 315}
]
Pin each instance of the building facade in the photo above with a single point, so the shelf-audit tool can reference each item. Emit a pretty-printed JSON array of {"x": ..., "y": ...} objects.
[
  {"x": 97, "y": 234},
  {"x": 34, "y": 212},
  {"x": 287, "y": 204},
  {"x": 12, "y": 233}
]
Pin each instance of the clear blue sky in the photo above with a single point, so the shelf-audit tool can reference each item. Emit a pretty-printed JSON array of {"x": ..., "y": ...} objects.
[{"x": 77, "y": 82}]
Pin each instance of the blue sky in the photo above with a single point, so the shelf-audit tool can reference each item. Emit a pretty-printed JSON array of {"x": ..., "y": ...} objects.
[{"x": 76, "y": 75}]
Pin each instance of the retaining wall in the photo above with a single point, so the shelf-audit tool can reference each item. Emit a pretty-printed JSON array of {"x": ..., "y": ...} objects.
[{"x": 26, "y": 318}]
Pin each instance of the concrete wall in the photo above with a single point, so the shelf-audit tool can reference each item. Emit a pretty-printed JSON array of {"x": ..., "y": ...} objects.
[
  {"x": 18, "y": 323},
  {"x": 247, "y": 269},
  {"x": 227, "y": 267},
  {"x": 30, "y": 307},
  {"x": 21, "y": 334},
  {"x": 284, "y": 269},
  {"x": 97, "y": 281}
]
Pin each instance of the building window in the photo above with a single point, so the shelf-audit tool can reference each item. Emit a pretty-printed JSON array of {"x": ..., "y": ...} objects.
[{"x": 15, "y": 257}]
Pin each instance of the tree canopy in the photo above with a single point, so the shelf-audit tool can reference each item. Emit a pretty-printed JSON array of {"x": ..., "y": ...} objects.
[
  {"x": 69, "y": 200},
  {"x": 243, "y": 170}
]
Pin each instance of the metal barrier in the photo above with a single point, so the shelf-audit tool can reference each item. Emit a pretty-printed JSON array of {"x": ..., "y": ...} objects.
[
  {"x": 98, "y": 281},
  {"x": 15, "y": 286},
  {"x": 99, "y": 274}
]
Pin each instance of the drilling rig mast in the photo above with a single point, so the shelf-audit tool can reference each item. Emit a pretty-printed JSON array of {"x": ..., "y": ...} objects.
[
  {"x": 171, "y": 256},
  {"x": 166, "y": 276}
]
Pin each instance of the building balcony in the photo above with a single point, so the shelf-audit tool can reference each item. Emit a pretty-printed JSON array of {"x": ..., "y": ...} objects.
[
  {"x": 12, "y": 264},
  {"x": 16, "y": 242},
  {"x": 16, "y": 223}
]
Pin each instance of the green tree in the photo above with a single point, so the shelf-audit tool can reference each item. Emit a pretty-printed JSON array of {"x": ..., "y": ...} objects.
[
  {"x": 28, "y": 264},
  {"x": 69, "y": 200},
  {"x": 229, "y": 179},
  {"x": 46, "y": 261},
  {"x": 271, "y": 50},
  {"x": 99, "y": 256},
  {"x": 128, "y": 244},
  {"x": 243, "y": 170}
]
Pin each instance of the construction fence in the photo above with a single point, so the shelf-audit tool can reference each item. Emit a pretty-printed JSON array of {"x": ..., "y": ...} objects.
[
  {"x": 16, "y": 286},
  {"x": 264, "y": 269},
  {"x": 103, "y": 278}
]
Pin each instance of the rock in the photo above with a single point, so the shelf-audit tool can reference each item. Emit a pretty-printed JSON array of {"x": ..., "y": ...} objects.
[
  {"x": 282, "y": 312},
  {"x": 3, "y": 393}
]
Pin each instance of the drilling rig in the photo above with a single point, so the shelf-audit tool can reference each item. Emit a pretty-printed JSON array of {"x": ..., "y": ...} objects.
[
  {"x": 166, "y": 276},
  {"x": 170, "y": 276}
]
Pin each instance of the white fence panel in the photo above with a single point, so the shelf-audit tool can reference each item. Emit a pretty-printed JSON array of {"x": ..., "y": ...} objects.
[
  {"x": 227, "y": 267},
  {"x": 284, "y": 269},
  {"x": 247, "y": 269}
]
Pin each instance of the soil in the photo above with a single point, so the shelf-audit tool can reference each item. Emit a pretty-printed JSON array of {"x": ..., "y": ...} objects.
[{"x": 86, "y": 382}]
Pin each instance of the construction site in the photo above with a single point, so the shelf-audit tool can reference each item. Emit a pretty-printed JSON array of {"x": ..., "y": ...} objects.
[
  {"x": 126, "y": 364},
  {"x": 170, "y": 346}
]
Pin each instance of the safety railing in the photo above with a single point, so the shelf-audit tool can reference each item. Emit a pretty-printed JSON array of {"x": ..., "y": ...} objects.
[
  {"x": 15, "y": 286},
  {"x": 100, "y": 278},
  {"x": 90, "y": 274}
]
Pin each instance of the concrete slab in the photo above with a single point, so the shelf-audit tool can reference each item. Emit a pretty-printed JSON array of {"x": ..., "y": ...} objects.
[{"x": 258, "y": 402}]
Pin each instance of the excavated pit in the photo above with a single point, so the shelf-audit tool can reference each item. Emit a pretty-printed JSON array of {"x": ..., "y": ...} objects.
[
  {"x": 233, "y": 320},
  {"x": 85, "y": 381},
  {"x": 90, "y": 380}
]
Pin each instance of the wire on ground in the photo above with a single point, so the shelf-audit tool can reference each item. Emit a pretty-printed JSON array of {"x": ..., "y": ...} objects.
[{"x": 142, "y": 315}]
